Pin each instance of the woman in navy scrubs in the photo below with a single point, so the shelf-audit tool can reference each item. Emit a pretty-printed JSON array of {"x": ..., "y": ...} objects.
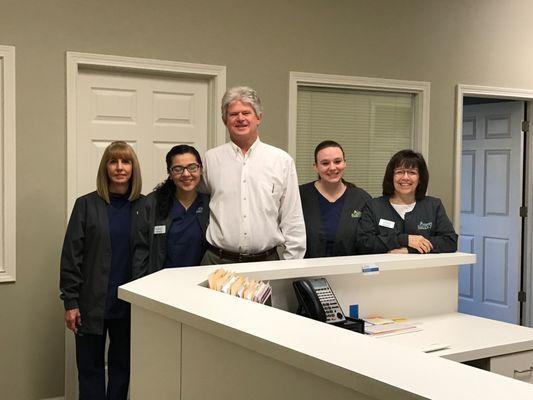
[
  {"x": 95, "y": 260},
  {"x": 404, "y": 219},
  {"x": 175, "y": 216},
  {"x": 331, "y": 206}
]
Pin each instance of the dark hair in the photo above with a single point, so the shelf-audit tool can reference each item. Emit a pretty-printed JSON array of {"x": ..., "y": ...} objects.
[
  {"x": 324, "y": 145},
  {"x": 331, "y": 143},
  {"x": 166, "y": 191},
  {"x": 407, "y": 159}
]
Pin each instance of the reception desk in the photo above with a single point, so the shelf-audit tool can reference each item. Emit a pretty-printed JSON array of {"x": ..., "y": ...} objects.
[{"x": 190, "y": 342}]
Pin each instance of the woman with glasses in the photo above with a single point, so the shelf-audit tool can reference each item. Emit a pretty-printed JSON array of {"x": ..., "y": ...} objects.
[
  {"x": 331, "y": 206},
  {"x": 96, "y": 259},
  {"x": 175, "y": 216},
  {"x": 404, "y": 219}
]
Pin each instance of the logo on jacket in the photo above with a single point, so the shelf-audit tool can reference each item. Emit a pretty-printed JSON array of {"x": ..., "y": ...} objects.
[
  {"x": 199, "y": 210},
  {"x": 424, "y": 225},
  {"x": 356, "y": 214}
]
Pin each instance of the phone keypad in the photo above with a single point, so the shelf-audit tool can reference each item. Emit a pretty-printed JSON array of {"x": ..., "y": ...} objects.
[{"x": 329, "y": 302}]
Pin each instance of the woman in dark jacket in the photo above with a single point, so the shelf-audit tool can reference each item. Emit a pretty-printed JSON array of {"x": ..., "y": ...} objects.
[
  {"x": 175, "y": 217},
  {"x": 331, "y": 206},
  {"x": 95, "y": 260},
  {"x": 404, "y": 219}
]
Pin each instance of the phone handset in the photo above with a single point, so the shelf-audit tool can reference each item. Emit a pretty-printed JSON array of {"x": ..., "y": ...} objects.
[{"x": 316, "y": 300}]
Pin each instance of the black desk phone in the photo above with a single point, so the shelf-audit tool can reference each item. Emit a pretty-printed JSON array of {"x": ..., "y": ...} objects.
[{"x": 316, "y": 300}]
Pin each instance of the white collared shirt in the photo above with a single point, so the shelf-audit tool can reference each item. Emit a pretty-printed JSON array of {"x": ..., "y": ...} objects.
[{"x": 255, "y": 202}]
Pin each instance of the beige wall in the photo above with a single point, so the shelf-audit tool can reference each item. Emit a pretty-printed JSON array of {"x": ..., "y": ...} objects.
[{"x": 443, "y": 42}]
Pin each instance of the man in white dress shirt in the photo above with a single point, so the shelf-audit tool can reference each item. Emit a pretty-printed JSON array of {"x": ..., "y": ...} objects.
[{"x": 255, "y": 203}]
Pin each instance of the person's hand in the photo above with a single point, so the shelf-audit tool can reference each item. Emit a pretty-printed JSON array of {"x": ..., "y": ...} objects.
[
  {"x": 73, "y": 319},
  {"x": 420, "y": 243},
  {"x": 399, "y": 250}
]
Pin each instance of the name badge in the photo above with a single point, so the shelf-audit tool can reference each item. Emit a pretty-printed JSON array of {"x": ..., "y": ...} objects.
[
  {"x": 386, "y": 223},
  {"x": 159, "y": 229}
]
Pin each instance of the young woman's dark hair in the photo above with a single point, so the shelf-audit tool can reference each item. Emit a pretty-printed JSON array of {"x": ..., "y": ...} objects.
[
  {"x": 166, "y": 191},
  {"x": 406, "y": 159},
  {"x": 331, "y": 143},
  {"x": 324, "y": 145}
]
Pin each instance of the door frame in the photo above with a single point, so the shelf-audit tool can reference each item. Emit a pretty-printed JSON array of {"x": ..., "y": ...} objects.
[
  {"x": 215, "y": 75},
  {"x": 8, "y": 164},
  {"x": 463, "y": 90}
]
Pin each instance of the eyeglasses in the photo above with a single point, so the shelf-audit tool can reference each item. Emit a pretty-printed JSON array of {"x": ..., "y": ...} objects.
[
  {"x": 409, "y": 172},
  {"x": 179, "y": 169}
]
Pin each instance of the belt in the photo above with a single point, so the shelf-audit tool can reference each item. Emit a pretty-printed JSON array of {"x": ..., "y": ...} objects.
[{"x": 240, "y": 257}]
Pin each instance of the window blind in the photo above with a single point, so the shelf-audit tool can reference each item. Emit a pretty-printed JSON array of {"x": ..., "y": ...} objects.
[{"x": 371, "y": 126}]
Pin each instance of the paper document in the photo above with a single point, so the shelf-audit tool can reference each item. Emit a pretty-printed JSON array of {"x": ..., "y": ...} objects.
[
  {"x": 379, "y": 326},
  {"x": 230, "y": 283}
]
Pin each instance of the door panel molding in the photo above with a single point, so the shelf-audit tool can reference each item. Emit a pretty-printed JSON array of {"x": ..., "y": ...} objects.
[
  {"x": 215, "y": 75},
  {"x": 466, "y": 271},
  {"x": 496, "y": 186},
  {"x": 497, "y": 127},
  {"x": 470, "y": 176},
  {"x": 495, "y": 255}
]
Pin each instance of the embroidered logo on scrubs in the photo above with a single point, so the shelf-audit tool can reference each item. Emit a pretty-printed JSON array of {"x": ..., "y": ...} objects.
[
  {"x": 356, "y": 214},
  {"x": 424, "y": 225},
  {"x": 199, "y": 210}
]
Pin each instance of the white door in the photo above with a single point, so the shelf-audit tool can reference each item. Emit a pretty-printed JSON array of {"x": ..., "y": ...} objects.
[
  {"x": 491, "y": 190},
  {"x": 150, "y": 112}
]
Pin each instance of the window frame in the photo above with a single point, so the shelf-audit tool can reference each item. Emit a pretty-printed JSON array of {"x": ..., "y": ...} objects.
[
  {"x": 419, "y": 89},
  {"x": 7, "y": 166}
]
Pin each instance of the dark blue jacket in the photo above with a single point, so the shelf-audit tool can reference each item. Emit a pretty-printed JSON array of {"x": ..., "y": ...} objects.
[
  {"x": 86, "y": 259},
  {"x": 346, "y": 237},
  {"x": 428, "y": 219},
  {"x": 151, "y": 249}
]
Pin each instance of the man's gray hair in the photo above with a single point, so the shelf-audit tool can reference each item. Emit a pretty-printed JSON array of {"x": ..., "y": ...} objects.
[{"x": 241, "y": 93}]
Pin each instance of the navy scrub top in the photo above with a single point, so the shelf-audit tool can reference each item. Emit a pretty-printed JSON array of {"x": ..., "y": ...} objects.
[
  {"x": 331, "y": 215},
  {"x": 185, "y": 239}
]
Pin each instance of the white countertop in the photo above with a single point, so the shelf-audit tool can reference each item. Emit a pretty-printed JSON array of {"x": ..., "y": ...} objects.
[
  {"x": 350, "y": 359},
  {"x": 467, "y": 337}
]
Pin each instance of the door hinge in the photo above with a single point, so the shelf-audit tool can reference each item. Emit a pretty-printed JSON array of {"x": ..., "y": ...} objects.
[
  {"x": 523, "y": 212},
  {"x": 525, "y": 126},
  {"x": 522, "y": 296}
]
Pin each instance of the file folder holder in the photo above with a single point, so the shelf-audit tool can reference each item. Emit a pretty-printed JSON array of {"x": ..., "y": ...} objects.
[{"x": 353, "y": 324}]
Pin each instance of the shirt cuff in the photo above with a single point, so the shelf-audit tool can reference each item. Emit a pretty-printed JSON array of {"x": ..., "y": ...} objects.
[
  {"x": 403, "y": 239},
  {"x": 70, "y": 304}
]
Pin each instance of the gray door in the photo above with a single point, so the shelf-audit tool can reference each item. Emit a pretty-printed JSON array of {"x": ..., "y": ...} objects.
[{"x": 491, "y": 190}]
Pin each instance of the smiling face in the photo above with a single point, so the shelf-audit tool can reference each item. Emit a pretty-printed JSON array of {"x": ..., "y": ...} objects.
[
  {"x": 119, "y": 172},
  {"x": 185, "y": 181},
  {"x": 330, "y": 164},
  {"x": 242, "y": 122},
  {"x": 405, "y": 180}
]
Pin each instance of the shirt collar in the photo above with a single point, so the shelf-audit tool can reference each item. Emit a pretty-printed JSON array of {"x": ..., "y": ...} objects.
[{"x": 238, "y": 151}]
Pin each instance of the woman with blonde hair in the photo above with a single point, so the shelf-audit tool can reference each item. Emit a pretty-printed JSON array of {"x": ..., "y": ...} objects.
[{"x": 96, "y": 259}]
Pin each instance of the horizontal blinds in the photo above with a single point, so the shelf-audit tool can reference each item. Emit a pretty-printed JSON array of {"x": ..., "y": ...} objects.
[{"x": 369, "y": 125}]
